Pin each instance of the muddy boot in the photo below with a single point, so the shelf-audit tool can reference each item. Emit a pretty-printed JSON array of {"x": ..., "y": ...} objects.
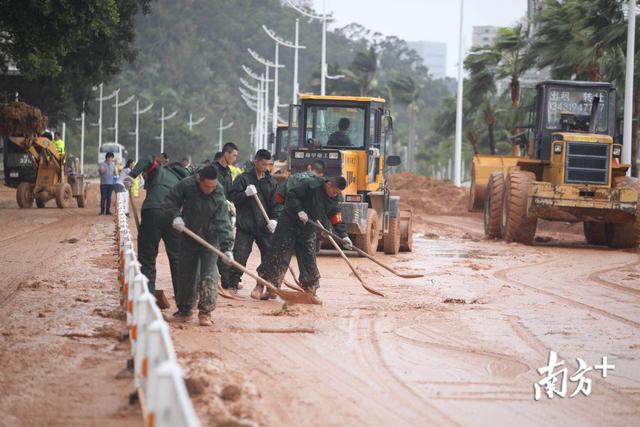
[
  {"x": 182, "y": 316},
  {"x": 256, "y": 293},
  {"x": 204, "y": 319}
]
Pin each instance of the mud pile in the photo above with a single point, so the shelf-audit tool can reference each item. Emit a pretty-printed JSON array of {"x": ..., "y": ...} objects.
[
  {"x": 428, "y": 196},
  {"x": 20, "y": 119}
]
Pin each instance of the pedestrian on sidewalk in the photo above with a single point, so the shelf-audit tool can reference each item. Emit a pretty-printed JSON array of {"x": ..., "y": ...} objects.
[
  {"x": 107, "y": 171},
  {"x": 251, "y": 226},
  {"x": 198, "y": 203}
]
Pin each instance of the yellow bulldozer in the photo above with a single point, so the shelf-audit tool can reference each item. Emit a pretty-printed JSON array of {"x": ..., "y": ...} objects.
[
  {"x": 569, "y": 170},
  {"x": 351, "y": 135},
  {"x": 20, "y": 122}
]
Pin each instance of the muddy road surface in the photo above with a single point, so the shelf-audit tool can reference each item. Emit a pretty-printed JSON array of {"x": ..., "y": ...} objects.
[
  {"x": 60, "y": 319},
  {"x": 460, "y": 346}
]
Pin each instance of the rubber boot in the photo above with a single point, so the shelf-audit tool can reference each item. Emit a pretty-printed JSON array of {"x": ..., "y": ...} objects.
[{"x": 204, "y": 319}]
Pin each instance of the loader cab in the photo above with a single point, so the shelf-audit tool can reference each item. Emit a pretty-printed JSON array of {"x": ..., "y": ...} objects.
[
  {"x": 281, "y": 143},
  {"x": 555, "y": 99}
]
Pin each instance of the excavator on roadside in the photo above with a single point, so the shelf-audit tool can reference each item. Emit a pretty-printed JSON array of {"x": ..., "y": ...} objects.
[
  {"x": 570, "y": 169},
  {"x": 352, "y": 135},
  {"x": 21, "y": 122}
]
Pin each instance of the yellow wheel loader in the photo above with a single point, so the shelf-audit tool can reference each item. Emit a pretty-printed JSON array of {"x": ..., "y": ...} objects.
[
  {"x": 281, "y": 142},
  {"x": 570, "y": 170},
  {"x": 19, "y": 121},
  {"x": 351, "y": 135}
]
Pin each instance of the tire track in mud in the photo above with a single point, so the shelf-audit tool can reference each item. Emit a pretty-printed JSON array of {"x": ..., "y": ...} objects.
[
  {"x": 503, "y": 276},
  {"x": 595, "y": 277},
  {"x": 415, "y": 409}
]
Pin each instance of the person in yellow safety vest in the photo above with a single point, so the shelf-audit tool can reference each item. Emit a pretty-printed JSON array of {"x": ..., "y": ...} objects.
[
  {"x": 235, "y": 171},
  {"x": 58, "y": 143},
  {"x": 135, "y": 188}
]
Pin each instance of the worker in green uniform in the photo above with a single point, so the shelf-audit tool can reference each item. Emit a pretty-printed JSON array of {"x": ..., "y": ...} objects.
[
  {"x": 315, "y": 168},
  {"x": 225, "y": 178},
  {"x": 198, "y": 203},
  {"x": 251, "y": 226},
  {"x": 312, "y": 198},
  {"x": 155, "y": 224}
]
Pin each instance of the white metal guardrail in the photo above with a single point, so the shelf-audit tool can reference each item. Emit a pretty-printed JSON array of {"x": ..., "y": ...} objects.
[{"x": 157, "y": 376}]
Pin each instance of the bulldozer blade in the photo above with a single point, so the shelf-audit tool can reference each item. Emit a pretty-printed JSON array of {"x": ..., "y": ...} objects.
[
  {"x": 288, "y": 296},
  {"x": 162, "y": 300}
]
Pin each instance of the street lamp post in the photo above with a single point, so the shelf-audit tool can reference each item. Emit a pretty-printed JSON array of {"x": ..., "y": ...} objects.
[
  {"x": 163, "y": 119},
  {"x": 295, "y": 46},
  {"x": 100, "y": 99},
  {"x": 628, "y": 86},
  {"x": 458, "y": 141},
  {"x": 267, "y": 64},
  {"x": 117, "y": 106},
  {"x": 191, "y": 123},
  {"x": 262, "y": 102},
  {"x": 137, "y": 113},
  {"x": 323, "y": 18},
  {"x": 81, "y": 120},
  {"x": 221, "y": 129}
]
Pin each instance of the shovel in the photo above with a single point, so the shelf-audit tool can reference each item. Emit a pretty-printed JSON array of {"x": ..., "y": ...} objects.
[
  {"x": 366, "y": 255},
  {"x": 297, "y": 286},
  {"x": 344, "y": 257},
  {"x": 161, "y": 298},
  {"x": 288, "y": 296}
]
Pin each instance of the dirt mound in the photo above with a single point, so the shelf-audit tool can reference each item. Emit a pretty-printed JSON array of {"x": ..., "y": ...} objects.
[
  {"x": 428, "y": 196},
  {"x": 20, "y": 119}
]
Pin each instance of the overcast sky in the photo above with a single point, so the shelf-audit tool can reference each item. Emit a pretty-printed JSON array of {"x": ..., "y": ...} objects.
[{"x": 426, "y": 20}]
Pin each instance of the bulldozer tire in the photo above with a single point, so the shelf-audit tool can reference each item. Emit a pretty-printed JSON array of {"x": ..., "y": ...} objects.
[
  {"x": 82, "y": 200},
  {"x": 368, "y": 241},
  {"x": 391, "y": 242},
  {"x": 595, "y": 232},
  {"x": 64, "y": 195},
  {"x": 24, "y": 195},
  {"x": 406, "y": 231},
  {"x": 625, "y": 235},
  {"x": 493, "y": 206},
  {"x": 517, "y": 226},
  {"x": 40, "y": 204}
]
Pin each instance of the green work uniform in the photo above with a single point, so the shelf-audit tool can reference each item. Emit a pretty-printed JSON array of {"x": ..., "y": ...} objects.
[
  {"x": 155, "y": 223},
  {"x": 225, "y": 178},
  {"x": 251, "y": 225},
  {"x": 208, "y": 216},
  {"x": 305, "y": 194}
]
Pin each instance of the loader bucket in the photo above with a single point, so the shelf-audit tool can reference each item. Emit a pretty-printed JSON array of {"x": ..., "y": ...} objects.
[{"x": 483, "y": 166}]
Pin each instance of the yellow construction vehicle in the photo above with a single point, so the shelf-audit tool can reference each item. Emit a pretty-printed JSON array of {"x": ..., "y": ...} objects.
[
  {"x": 19, "y": 122},
  {"x": 570, "y": 170},
  {"x": 281, "y": 142},
  {"x": 351, "y": 135}
]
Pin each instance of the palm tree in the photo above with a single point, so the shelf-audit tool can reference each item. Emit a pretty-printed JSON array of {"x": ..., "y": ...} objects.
[
  {"x": 482, "y": 65},
  {"x": 362, "y": 70},
  {"x": 510, "y": 44}
]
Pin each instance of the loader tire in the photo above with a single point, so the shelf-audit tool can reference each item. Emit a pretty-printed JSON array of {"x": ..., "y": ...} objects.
[
  {"x": 625, "y": 235},
  {"x": 493, "y": 206},
  {"x": 391, "y": 242},
  {"x": 64, "y": 195},
  {"x": 368, "y": 241},
  {"x": 24, "y": 195},
  {"x": 595, "y": 232},
  {"x": 406, "y": 231},
  {"x": 517, "y": 226}
]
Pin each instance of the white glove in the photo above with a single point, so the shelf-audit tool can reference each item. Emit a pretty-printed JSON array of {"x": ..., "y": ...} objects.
[
  {"x": 178, "y": 224},
  {"x": 347, "y": 243},
  {"x": 271, "y": 225},
  {"x": 302, "y": 216},
  {"x": 232, "y": 208},
  {"x": 251, "y": 190},
  {"x": 228, "y": 257}
]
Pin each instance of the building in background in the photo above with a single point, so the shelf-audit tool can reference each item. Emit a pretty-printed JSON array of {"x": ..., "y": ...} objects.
[
  {"x": 483, "y": 35},
  {"x": 434, "y": 56}
]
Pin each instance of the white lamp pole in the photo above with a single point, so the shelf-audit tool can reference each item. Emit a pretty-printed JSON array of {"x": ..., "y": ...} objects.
[
  {"x": 100, "y": 99},
  {"x": 628, "y": 85},
  {"x": 260, "y": 90},
  {"x": 191, "y": 123},
  {"x": 117, "y": 106},
  {"x": 323, "y": 18},
  {"x": 81, "y": 120},
  {"x": 137, "y": 113},
  {"x": 267, "y": 64},
  {"x": 295, "y": 46},
  {"x": 221, "y": 129},
  {"x": 163, "y": 119},
  {"x": 458, "y": 141}
]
